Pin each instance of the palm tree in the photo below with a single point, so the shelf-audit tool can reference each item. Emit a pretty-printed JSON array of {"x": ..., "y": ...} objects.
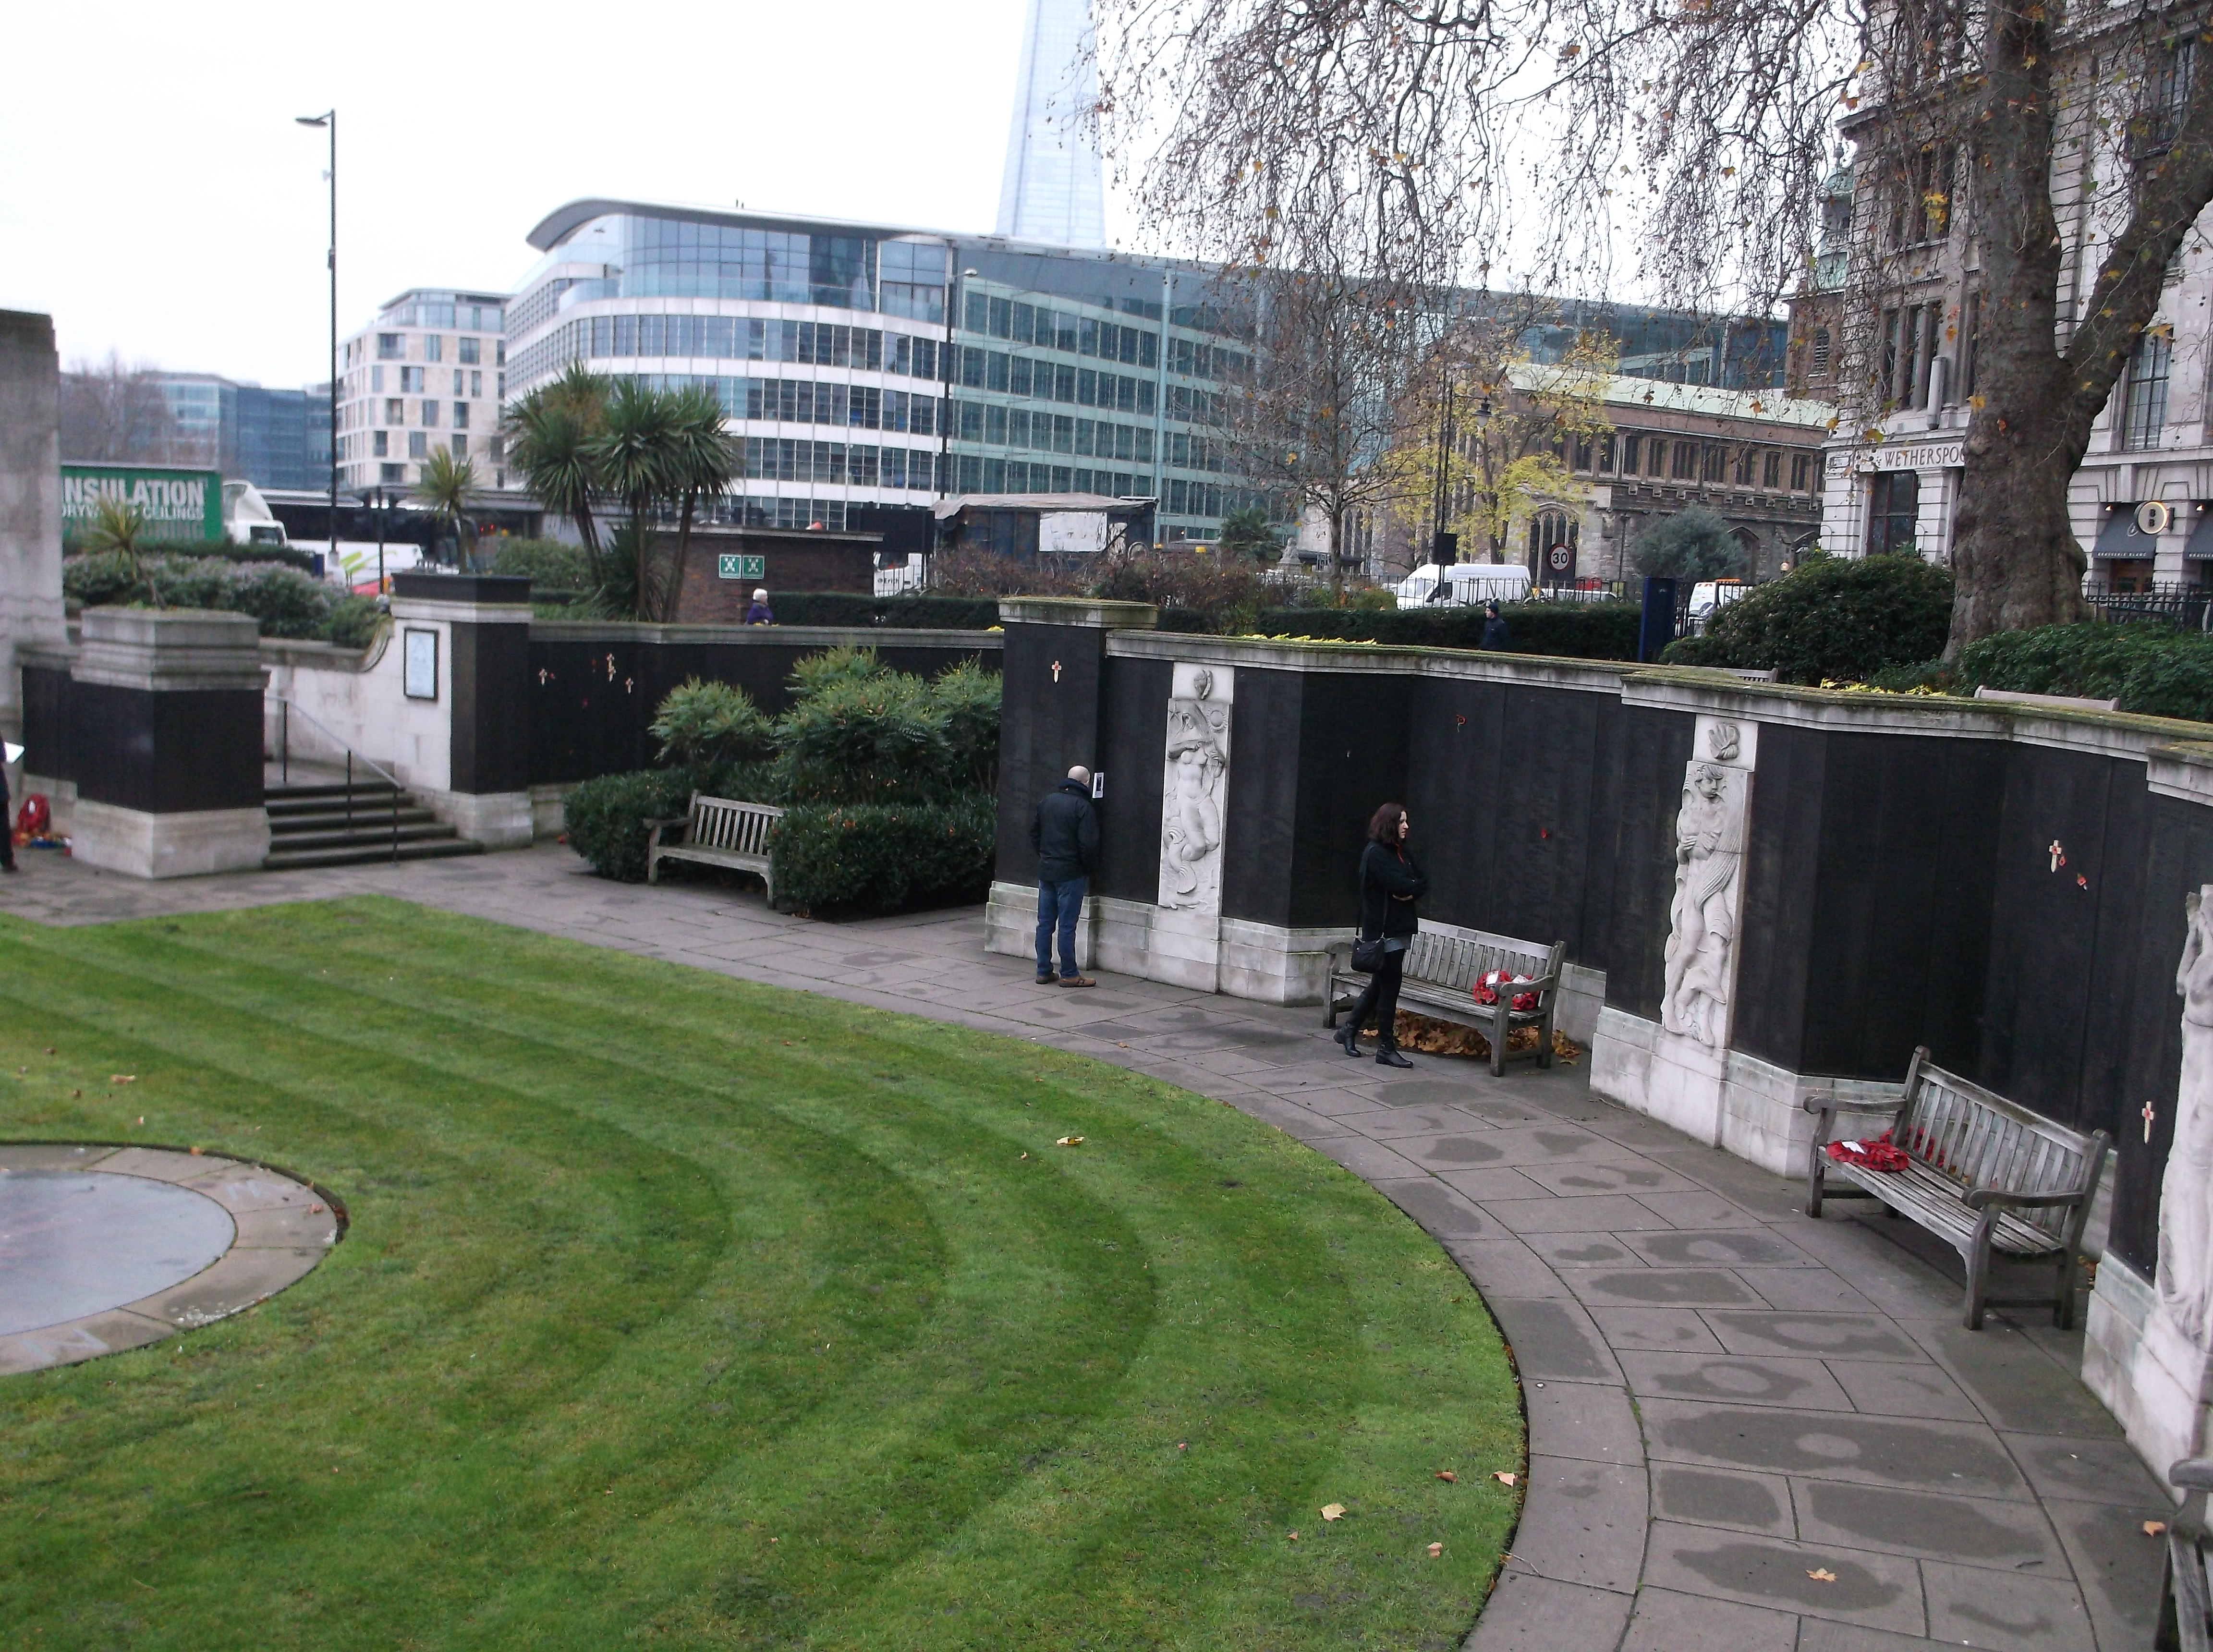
[
  {"x": 448, "y": 487},
  {"x": 550, "y": 433},
  {"x": 632, "y": 457},
  {"x": 702, "y": 459},
  {"x": 116, "y": 527}
]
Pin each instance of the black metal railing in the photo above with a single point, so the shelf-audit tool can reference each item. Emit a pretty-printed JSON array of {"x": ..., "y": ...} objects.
[
  {"x": 285, "y": 708},
  {"x": 2185, "y": 607}
]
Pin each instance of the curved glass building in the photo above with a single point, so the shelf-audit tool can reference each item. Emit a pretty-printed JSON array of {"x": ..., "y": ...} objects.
[{"x": 867, "y": 363}]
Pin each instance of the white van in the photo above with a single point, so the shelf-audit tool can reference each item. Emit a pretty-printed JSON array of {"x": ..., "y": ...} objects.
[
  {"x": 1709, "y": 597},
  {"x": 1461, "y": 584}
]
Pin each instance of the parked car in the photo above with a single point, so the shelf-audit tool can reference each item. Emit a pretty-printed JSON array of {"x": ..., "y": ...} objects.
[{"x": 1461, "y": 584}]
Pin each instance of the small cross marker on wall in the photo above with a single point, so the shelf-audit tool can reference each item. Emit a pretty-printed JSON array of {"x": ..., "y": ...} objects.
[
  {"x": 2058, "y": 855},
  {"x": 2147, "y": 1115},
  {"x": 1056, "y": 671}
]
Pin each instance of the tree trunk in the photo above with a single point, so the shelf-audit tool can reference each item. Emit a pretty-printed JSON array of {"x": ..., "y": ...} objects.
[
  {"x": 2013, "y": 551},
  {"x": 674, "y": 596}
]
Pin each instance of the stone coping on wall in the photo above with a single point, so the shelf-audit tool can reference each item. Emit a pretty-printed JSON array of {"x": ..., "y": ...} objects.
[
  {"x": 1377, "y": 659},
  {"x": 637, "y": 630},
  {"x": 299, "y": 652},
  {"x": 1078, "y": 611}
]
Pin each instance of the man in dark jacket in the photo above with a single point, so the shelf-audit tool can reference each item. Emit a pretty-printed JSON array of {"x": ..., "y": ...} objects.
[
  {"x": 1494, "y": 628},
  {"x": 1065, "y": 834}
]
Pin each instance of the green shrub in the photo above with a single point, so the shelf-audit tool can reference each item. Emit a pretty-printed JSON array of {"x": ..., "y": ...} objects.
[
  {"x": 1691, "y": 545},
  {"x": 2148, "y": 668},
  {"x": 969, "y": 696},
  {"x": 882, "y": 739},
  {"x": 1836, "y": 617},
  {"x": 549, "y": 565},
  {"x": 706, "y": 723},
  {"x": 1229, "y": 590},
  {"x": 818, "y": 672},
  {"x": 879, "y": 857},
  {"x": 605, "y": 817},
  {"x": 283, "y": 601},
  {"x": 289, "y": 555}
]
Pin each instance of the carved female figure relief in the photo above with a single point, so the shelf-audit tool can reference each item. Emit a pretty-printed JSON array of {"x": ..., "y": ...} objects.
[
  {"x": 1702, "y": 929},
  {"x": 2185, "y": 1222},
  {"x": 1192, "y": 809}
]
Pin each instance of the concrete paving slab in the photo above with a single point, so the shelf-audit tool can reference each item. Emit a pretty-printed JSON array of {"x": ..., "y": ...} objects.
[
  {"x": 1664, "y": 1621},
  {"x": 60, "y": 1156},
  {"x": 1505, "y": 1267},
  {"x": 85, "y": 1338},
  {"x": 1731, "y": 1497},
  {"x": 1878, "y": 1591},
  {"x": 1649, "y": 1287},
  {"x": 1583, "y": 1522},
  {"x": 1676, "y": 1329},
  {"x": 1555, "y": 1339},
  {"x": 1610, "y": 1213},
  {"x": 1732, "y": 1379},
  {"x": 1827, "y": 1336},
  {"x": 1590, "y": 1422},
  {"x": 1884, "y": 1389},
  {"x": 1951, "y": 1457},
  {"x": 1527, "y": 1613},
  {"x": 2005, "y": 1535},
  {"x": 2033, "y": 1614},
  {"x": 1583, "y": 1250}
]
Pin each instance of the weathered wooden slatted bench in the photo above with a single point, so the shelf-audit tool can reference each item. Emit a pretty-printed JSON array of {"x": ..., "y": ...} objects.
[
  {"x": 1441, "y": 976},
  {"x": 717, "y": 831},
  {"x": 1982, "y": 1174},
  {"x": 2186, "y": 1607}
]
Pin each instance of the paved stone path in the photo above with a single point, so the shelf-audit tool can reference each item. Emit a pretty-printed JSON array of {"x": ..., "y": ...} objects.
[{"x": 1724, "y": 1398}]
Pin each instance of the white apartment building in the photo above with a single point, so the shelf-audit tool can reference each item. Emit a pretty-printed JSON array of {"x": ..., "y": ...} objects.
[
  {"x": 1906, "y": 307},
  {"x": 430, "y": 371}
]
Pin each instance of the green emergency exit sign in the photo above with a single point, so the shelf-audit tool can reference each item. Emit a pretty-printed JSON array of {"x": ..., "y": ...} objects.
[{"x": 728, "y": 565}]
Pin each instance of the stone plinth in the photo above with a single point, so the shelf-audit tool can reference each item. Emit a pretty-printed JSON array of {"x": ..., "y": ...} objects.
[
  {"x": 165, "y": 715},
  {"x": 30, "y": 500}
]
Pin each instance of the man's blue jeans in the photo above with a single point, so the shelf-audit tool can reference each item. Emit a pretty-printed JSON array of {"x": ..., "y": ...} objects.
[{"x": 1057, "y": 906}]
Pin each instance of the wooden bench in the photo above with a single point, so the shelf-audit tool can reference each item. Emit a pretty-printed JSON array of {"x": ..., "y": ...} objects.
[
  {"x": 2186, "y": 1604},
  {"x": 717, "y": 831},
  {"x": 1441, "y": 975},
  {"x": 1982, "y": 1174}
]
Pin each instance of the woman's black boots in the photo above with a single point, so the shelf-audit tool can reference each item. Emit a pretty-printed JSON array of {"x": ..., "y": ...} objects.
[
  {"x": 1348, "y": 1036},
  {"x": 1387, "y": 1055}
]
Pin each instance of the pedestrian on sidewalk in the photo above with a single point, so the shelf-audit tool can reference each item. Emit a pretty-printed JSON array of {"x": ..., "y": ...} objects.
[
  {"x": 761, "y": 613},
  {"x": 1495, "y": 634},
  {"x": 1065, "y": 834},
  {"x": 1390, "y": 884}
]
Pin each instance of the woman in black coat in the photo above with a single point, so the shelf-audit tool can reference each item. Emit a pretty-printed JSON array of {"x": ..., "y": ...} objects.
[{"x": 1390, "y": 884}]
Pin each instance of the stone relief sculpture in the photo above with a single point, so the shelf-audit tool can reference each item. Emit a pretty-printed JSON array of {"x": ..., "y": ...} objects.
[
  {"x": 2186, "y": 1226},
  {"x": 1702, "y": 932},
  {"x": 1194, "y": 790}
]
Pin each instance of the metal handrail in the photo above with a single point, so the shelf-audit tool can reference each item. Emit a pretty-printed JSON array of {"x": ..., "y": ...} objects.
[{"x": 284, "y": 761}]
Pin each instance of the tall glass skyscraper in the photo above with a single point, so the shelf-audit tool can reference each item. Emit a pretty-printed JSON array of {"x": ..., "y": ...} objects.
[{"x": 1052, "y": 189}]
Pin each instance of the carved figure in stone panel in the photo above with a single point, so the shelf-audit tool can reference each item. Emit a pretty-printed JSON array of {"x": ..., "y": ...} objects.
[
  {"x": 1192, "y": 811},
  {"x": 2185, "y": 1222},
  {"x": 1702, "y": 928}
]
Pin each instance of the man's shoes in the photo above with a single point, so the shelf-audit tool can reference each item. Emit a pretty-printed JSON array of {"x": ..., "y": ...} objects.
[
  {"x": 1348, "y": 1036},
  {"x": 1045, "y": 980},
  {"x": 1386, "y": 1056},
  {"x": 11, "y": 869},
  {"x": 1077, "y": 980}
]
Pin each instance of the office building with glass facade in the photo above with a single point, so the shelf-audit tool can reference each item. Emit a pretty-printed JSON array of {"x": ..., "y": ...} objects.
[
  {"x": 1055, "y": 370},
  {"x": 429, "y": 371},
  {"x": 271, "y": 438}
]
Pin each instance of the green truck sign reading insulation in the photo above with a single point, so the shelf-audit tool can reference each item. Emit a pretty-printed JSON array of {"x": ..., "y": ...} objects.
[{"x": 178, "y": 503}]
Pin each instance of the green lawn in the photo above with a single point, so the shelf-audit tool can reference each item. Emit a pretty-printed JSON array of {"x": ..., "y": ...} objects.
[{"x": 680, "y": 1311}]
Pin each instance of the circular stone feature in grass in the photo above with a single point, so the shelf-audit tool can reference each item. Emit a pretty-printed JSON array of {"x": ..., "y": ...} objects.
[
  {"x": 76, "y": 1243},
  {"x": 106, "y": 1248}
]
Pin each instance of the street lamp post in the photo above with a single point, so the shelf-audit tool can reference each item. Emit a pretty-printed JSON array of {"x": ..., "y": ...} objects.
[{"x": 329, "y": 119}]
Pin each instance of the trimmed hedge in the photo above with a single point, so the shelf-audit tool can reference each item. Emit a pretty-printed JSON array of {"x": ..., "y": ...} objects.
[
  {"x": 221, "y": 549},
  {"x": 2148, "y": 668},
  {"x": 1833, "y": 619},
  {"x": 878, "y": 857},
  {"x": 1577, "y": 631},
  {"x": 851, "y": 609},
  {"x": 283, "y": 601},
  {"x": 605, "y": 817}
]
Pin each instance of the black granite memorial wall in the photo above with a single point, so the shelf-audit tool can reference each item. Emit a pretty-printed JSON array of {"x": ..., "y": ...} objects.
[{"x": 592, "y": 691}]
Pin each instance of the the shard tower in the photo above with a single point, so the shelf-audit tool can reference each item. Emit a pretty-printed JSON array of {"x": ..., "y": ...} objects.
[{"x": 1052, "y": 190}]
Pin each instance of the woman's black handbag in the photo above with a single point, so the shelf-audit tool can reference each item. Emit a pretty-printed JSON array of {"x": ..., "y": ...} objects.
[{"x": 1367, "y": 955}]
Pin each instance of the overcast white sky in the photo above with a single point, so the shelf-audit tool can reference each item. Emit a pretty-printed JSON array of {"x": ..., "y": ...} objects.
[{"x": 157, "y": 199}]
